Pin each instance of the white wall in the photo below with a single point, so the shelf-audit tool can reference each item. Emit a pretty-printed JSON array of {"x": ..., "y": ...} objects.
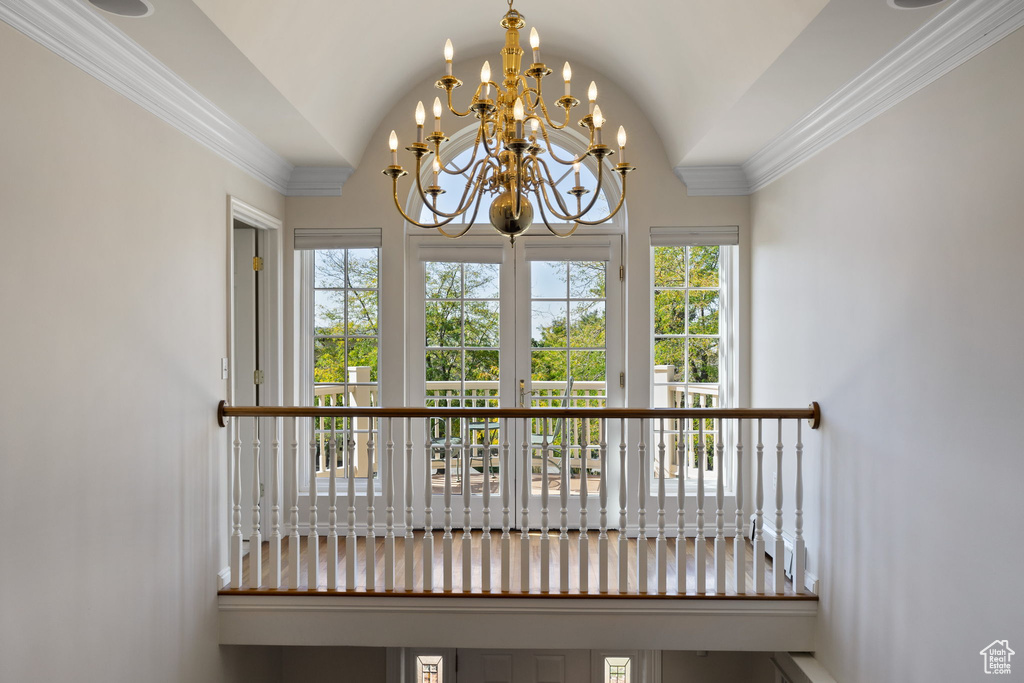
[
  {"x": 112, "y": 320},
  {"x": 887, "y": 285}
]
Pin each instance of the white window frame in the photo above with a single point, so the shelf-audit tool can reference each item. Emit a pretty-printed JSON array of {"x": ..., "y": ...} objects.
[{"x": 729, "y": 337}]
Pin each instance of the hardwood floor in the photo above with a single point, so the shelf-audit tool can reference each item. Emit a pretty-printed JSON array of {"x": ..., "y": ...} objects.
[{"x": 515, "y": 584}]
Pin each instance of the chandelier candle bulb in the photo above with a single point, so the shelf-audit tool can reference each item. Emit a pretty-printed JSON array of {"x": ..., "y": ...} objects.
[
  {"x": 598, "y": 122},
  {"x": 437, "y": 114},
  {"x": 518, "y": 114},
  {"x": 592, "y": 96},
  {"x": 535, "y": 44},
  {"x": 437, "y": 169},
  {"x": 576, "y": 170},
  {"x": 393, "y": 144},
  {"x": 449, "y": 53},
  {"x": 421, "y": 116},
  {"x": 485, "y": 80},
  {"x": 622, "y": 144},
  {"x": 567, "y": 76}
]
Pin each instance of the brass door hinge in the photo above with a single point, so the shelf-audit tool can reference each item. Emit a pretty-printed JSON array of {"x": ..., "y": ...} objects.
[
  {"x": 622, "y": 380},
  {"x": 257, "y": 263},
  {"x": 257, "y": 377},
  {"x": 622, "y": 273}
]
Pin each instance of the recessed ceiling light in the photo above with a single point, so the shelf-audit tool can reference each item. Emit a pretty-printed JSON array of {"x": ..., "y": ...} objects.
[
  {"x": 913, "y": 4},
  {"x": 125, "y": 8}
]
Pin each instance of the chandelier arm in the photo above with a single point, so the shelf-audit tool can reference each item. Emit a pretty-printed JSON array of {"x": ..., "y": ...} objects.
[
  {"x": 451, "y": 105},
  {"x": 551, "y": 150},
  {"x": 486, "y": 137},
  {"x": 544, "y": 218},
  {"x": 569, "y": 215},
  {"x": 464, "y": 204},
  {"x": 460, "y": 171},
  {"x": 406, "y": 216},
  {"x": 547, "y": 116},
  {"x": 472, "y": 221},
  {"x": 622, "y": 199}
]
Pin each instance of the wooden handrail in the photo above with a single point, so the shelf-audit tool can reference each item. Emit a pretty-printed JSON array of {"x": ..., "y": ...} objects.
[{"x": 812, "y": 413}]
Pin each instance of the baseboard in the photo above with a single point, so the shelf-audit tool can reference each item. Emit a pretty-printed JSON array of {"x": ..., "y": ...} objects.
[{"x": 223, "y": 578}]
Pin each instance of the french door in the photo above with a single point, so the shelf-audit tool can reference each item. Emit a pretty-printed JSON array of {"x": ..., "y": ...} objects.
[{"x": 536, "y": 325}]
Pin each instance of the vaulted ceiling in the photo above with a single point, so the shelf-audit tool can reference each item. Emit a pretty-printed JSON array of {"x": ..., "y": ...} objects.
[{"x": 718, "y": 79}]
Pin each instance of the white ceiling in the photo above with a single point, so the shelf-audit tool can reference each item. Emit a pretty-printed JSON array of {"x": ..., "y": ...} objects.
[{"x": 718, "y": 79}]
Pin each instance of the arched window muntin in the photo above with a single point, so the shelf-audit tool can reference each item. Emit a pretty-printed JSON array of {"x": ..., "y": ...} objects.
[{"x": 567, "y": 144}]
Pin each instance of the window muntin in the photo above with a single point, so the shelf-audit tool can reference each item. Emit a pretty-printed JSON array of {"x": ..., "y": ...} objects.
[{"x": 346, "y": 340}]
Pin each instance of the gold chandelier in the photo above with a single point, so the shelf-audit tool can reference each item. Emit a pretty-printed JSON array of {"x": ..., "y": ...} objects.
[{"x": 506, "y": 163}]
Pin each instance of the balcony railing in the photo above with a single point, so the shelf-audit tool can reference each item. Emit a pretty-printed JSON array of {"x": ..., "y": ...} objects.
[{"x": 373, "y": 532}]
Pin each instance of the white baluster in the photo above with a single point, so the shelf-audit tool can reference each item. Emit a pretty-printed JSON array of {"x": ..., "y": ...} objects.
[
  {"x": 370, "y": 547},
  {"x": 527, "y": 484},
  {"x": 332, "y": 508},
  {"x": 485, "y": 538},
  {"x": 293, "y": 539},
  {"x": 779, "y": 561},
  {"x": 720, "y": 511},
  {"x": 739, "y": 542},
  {"x": 274, "y": 554},
  {"x": 428, "y": 516},
  {"x": 642, "y": 488},
  {"x": 467, "y": 517},
  {"x": 682, "y": 465},
  {"x": 759, "y": 550},
  {"x": 584, "y": 544},
  {"x": 545, "y": 539},
  {"x": 446, "y": 539},
  {"x": 506, "y": 522},
  {"x": 661, "y": 544},
  {"x": 350, "y": 471},
  {"x": 798, "y": 547},
  {"x": 700, "y": 551},
  {"x": 389, "y": 509},
  {"x": 563, "y": 517},
  {"x": 410, "y": 556},
  {"x": 313, "y": 539},
  {"x": 255, "y": 538},
  {"x": 602, "y": 537},
  {"x": 623, "y": 541},
  {"x": 236, "y": 506}
]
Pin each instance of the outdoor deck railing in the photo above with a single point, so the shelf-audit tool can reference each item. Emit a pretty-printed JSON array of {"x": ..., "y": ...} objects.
[{"x": 506, "y": 447}]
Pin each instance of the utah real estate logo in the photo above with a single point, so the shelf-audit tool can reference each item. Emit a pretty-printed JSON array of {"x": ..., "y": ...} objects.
[{"x": 997, "y": 657}]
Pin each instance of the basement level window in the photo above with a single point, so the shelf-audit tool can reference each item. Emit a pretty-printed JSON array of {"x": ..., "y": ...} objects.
[
  {"x": 617, "y": 669},
  {"x": 429, "y": 669}
]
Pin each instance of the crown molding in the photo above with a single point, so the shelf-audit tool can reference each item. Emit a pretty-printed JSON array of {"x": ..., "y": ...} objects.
[
  {"x": 90, "y": 42},
  {"x": 713, "y": 181},
  {"x": 949, "y": 39},
  {"x": 318, "y": 181}
]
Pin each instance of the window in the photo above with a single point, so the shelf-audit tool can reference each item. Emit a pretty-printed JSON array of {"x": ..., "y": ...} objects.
[
  {"x": 617, "y": 669},
  {"x": 341, "y": 338},
  {"x": 429, "y": 669},
  {"x": 691, "y": 339}
]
